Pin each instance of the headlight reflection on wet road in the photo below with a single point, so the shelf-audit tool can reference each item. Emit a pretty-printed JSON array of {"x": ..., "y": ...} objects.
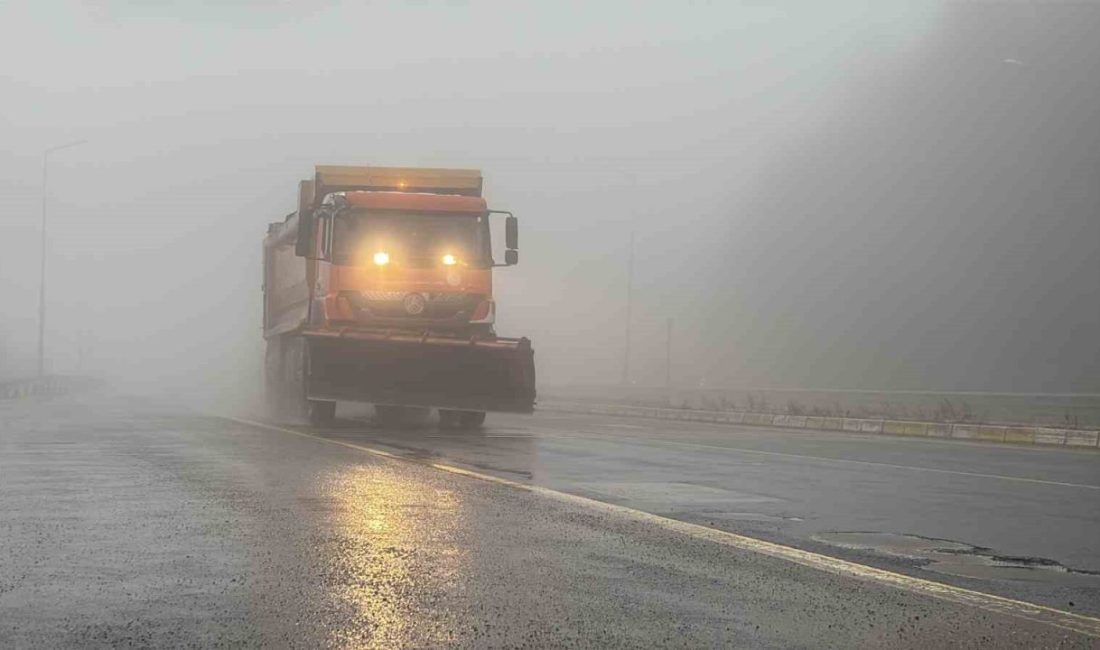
[{"x": 395, "y": 553}]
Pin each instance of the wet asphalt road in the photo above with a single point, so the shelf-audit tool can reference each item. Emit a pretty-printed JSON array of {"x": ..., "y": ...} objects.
[
  {"x": 129, "y": 522},
  {"x": 1036, "y": 510}
]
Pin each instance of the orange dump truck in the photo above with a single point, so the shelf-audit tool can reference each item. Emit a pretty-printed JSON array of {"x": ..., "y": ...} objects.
[{"x": 379, "y": 289}]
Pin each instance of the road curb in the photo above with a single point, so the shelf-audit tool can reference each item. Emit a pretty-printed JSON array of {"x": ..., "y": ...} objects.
[{"x": 1021, "y": 435}]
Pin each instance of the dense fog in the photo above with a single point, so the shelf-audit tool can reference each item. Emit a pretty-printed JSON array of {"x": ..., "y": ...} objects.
[{"x": 840, "y": 195}]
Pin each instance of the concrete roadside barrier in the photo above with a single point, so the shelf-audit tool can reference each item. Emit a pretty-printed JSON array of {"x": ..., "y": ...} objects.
[
  {"x": 1023, "y": 435},
  {"x": 939, "y": 430},
  {"x": 757, "y": 418},
  {"x": 904, "y": 428},
  {"x": 1048, "y": 436},
  {"x": 995, "y": 434},
  {"x": 1020, "y": 435},
  {"x": 914, "y": 428},
  {"x": 964, "y": 431},
  {"x": 1082, "y": 438},
  {"x": 894, "y": 428},
  {"x": 870, "y": 426}
]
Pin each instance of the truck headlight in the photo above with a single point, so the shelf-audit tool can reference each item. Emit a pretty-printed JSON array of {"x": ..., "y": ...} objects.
[
  {"x": 381, "y": 258},
  {"x": 449, "y": 260}
]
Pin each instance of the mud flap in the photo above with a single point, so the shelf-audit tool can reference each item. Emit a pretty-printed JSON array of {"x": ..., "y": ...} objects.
[{"x": 476, "y": 374}]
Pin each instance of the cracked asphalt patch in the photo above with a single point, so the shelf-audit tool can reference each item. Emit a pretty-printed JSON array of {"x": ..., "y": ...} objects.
[{"x": 960, "y": 559}]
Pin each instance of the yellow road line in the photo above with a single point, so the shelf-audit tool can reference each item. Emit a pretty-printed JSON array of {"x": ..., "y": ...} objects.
[{"x": 1038, "y": 613}]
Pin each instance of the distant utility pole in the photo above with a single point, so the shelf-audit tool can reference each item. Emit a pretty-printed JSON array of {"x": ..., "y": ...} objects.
[
  {"x": 629, "y": 299},
  {"x": 83, "y": 345},
  {"x": 668, "y": 355},
  {"x": 42, "y": 267}
]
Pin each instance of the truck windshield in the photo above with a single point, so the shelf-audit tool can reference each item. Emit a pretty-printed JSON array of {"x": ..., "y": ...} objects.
[{"x": 410, "y": 238}]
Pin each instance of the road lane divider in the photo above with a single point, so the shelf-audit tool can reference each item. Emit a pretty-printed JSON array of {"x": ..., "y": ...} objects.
[
  {"x": 1026, "y": 435},
  {"x": 1079, "y": 623}
]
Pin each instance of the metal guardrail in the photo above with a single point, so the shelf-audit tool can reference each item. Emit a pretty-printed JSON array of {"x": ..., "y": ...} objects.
[{"x": 1027, "y": 435}]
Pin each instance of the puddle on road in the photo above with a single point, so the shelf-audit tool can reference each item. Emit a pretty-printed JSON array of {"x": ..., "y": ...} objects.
[
  {"x": 910, "y": 546},
  {"x": 959, "y": 559},
  {"x": 1025, "y": 569}
]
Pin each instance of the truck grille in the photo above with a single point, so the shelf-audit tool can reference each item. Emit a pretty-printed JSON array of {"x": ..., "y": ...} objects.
[{"x": 391, "y": 304}]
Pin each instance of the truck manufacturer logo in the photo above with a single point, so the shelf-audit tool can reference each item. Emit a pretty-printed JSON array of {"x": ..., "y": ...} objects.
[{"x": 414, "y": 304}]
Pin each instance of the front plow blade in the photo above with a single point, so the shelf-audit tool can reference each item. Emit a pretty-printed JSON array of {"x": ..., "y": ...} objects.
[{"x": 495, "y": 374}]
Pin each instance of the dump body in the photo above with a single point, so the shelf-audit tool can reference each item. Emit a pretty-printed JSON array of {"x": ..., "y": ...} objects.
[
  {"x": 379, "y": 289},
  {"x": 286, "y": 281}
]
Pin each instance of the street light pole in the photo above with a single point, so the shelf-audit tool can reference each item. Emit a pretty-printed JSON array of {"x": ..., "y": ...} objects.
[
  {"x": 42, "y": 259},
  {"x": 629, "y": 299},
  {"x": 668, "y": 354}
]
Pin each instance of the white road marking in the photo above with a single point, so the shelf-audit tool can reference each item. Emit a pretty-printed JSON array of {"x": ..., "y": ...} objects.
[
  {"x": 997, "y": 604},
  {"x": 848, "y": 461}
]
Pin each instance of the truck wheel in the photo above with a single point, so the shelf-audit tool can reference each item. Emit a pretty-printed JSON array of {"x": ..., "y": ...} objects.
[
  {"x": 274, "y": 390},
  {"x": 448, "y": 419},
  {"x": 464, "y": 420},
  {"x": 471, "y": 419},
  {"x": 294, "y": 406},
  {"x": 321, "y": 414}
]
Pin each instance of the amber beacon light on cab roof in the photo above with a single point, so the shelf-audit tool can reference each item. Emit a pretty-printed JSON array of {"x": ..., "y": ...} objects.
[{"x": 379, "y": 289}]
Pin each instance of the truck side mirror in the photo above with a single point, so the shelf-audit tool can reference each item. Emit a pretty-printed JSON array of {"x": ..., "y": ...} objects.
[
  {"x": 304, "y": 246},
  {"x": 511, "y": 233},
  {"x": 511, "y": 257}
]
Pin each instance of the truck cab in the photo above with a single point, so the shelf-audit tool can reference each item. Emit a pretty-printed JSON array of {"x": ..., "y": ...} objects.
[{"x": 394, "y": 255}]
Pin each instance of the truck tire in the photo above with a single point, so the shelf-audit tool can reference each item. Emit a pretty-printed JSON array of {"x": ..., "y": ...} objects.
[
  {"x": 274, "y": 388},
  {"x": 471, "y": 419},
  {"x": 294, "y": 406},
  {"x": 321, "y": 414},
  {"x": 462, "y": 420},
  {"x": 448, "y": 419},
  {"x": 294, "y": 371}
]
